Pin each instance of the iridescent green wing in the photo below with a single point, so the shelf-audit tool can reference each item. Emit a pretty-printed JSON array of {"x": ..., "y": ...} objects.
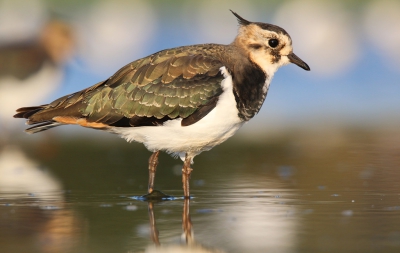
[{"x": 167, "y": 85}]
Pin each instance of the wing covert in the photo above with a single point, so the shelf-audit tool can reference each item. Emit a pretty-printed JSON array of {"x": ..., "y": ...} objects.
[{"x": 160, "y": 87}]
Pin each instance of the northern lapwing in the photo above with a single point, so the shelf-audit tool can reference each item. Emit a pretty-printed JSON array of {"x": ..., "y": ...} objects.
[
  {"x": 183, "y": 100},
  {"x": 31, "y": 69}
]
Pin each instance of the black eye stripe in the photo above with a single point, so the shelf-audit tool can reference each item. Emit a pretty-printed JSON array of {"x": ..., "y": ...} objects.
[{"x": 255, "y": 46}]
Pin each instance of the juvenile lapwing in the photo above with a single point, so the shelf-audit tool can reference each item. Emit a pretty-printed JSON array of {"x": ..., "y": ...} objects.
[{"x": 183, "y": 100}]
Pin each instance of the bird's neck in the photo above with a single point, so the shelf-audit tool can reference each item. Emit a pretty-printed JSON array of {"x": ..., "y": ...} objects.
[
  {"x": 250, "y": 87},
  {"x": 250, "y": 81}
]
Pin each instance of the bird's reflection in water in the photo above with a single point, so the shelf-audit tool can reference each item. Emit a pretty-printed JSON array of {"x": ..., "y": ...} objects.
[{"x": 188, "y": 244}]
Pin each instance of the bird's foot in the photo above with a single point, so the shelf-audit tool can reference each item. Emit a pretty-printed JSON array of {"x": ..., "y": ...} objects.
[{"x": 155, "y": 196}]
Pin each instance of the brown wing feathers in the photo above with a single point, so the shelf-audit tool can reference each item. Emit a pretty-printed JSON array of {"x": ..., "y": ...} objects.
[
  {"x": 167, "y": 85},
  {"x": 65, "y": 110},
  {"x": 173, "y": 88}
]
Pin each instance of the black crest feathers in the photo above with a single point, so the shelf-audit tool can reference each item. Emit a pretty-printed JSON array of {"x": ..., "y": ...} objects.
[{"x": 241, "y": 20}]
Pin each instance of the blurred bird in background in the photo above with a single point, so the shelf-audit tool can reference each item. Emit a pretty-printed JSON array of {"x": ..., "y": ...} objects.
[
  {"x": 30, "y": 70},
  {"x": 34, "y": 50}
]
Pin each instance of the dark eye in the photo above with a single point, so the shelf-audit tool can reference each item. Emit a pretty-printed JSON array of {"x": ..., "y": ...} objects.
[{"x": 273, "y": 43}]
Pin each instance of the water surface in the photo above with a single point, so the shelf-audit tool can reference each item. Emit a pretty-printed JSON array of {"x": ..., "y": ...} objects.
[{"x": 76, "y": 196}]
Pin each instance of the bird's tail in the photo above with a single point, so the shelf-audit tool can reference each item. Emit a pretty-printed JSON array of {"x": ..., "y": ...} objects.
[
  {"x": 65, "y": 110},
  {"x": 27, "y": 112}
]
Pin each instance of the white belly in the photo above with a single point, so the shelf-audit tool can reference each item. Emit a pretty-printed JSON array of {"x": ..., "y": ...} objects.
[{"x": 216, "y": 127}]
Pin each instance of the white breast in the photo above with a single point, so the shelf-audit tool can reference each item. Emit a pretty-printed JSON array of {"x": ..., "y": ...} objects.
[{"x": 216, "y": 127}]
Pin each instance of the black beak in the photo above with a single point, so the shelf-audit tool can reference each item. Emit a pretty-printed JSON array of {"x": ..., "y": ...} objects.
[{"x": 299, "y": 62}]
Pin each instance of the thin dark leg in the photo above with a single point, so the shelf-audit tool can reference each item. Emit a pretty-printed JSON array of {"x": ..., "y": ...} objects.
[
  {"x": 153, "y": 162},
  {"x": 187, "y": 223},
  {"x": 186, "y": 170},
  {"x": 153, "y": 227}
]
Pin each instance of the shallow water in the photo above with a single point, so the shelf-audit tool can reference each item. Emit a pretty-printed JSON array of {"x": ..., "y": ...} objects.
[{"x": 274, "y": 197}]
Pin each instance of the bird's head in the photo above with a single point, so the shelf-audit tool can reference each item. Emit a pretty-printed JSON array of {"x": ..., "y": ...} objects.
[{"x": 268, "y": 46}]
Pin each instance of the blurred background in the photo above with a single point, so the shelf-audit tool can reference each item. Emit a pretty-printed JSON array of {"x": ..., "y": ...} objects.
[
  {"x": 317, "y": 165},
  {"x": 52, "y": 48}
]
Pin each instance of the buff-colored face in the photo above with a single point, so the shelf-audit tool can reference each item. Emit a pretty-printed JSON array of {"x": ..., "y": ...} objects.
[{"x": 268, "y": 49}]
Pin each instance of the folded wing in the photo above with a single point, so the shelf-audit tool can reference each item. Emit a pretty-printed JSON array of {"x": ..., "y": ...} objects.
[{"x": 167, "y": 85}]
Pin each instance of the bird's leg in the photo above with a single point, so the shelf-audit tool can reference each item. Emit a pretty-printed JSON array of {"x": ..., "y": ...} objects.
[
  {"x": 153, "y": 162},
  {"x": 153, "y": 227},
  {"x": 187, "y": 223},
  {"x": 186, "y": 170}
]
